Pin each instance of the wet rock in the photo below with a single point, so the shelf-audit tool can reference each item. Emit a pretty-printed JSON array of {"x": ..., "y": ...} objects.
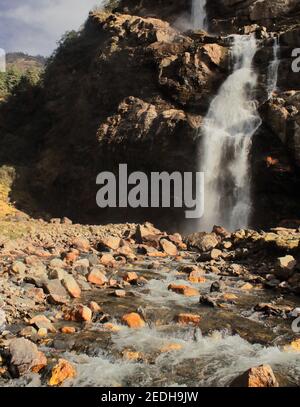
[
  {"x": 80, "y": 313},
  {"x": 246, "y": 287},
  {"x": 120, "y": 293},
  {"x": 189, "y": 319},
  {"x": 171, "y": 347},
  {"x": 131, "y": 277},
  {"x": 71, "y": 286},
  {"x": 94, "y": 306},
  {"x": 208, "y": 301},
  {"x": 57, "y": 293},
  {"x": 261, "y": 376},
  {"x": 97, "y": 277},
  {"x": 285, "y": 267},
  {"x": 62, "y": 371},
  {"x": 272, "y": 309},
  {"x": 133, "y": 320},
  {"x": 215, "y": 254},
  {"x": 218, "y": 286},
  {"x": 132, "y": 355},
  {"x": 41, "y": 321},
  {"x": 196, "y": 276},
  {"x": 203, "y": 242},
  {"x": 190, "y": 268},
  {"x": 236, "y": 270},
  {"x": 184, "y": 290},
  {"x": 294, "y": 346},
  {"x": 68, "y": 330},
  {"x": 168, "y": 247},
  {"x": 28, "y": 332},
  {"x": 25, "y": 357},
  {"x": 108, "y": 260}
]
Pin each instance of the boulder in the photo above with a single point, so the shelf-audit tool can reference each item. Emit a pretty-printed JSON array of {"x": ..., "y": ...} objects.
[
  {"x": 261, "y": 376},
  {"x": 202, "y": 241},
  {"x": 133, "y": 320},
  {"x": 62, "y": 371},
  {"x": 25, "y": 357}
]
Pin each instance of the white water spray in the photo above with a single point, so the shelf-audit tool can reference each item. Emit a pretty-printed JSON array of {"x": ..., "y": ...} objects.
[
  {"x": 273, "y": 69},
  {"x": 228, "y": 128},
  {"x": 199, "y": 14}
]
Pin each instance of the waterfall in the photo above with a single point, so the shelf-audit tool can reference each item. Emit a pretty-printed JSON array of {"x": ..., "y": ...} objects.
[
  {"x": 228, "y": 128},
  {"x": 273, "y": 69},
  {"x": 199, "y": 14}
]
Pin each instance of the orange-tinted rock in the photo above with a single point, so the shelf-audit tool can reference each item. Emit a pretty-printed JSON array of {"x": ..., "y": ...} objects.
[
  {"x": 83, "y": 313},
  {"x": 120, "y": 293},
  {"x": 133, "y": 320},
  {"x": 196, "y": 276},
  {"x": 110, "y": 242},
  {"x": 168, "y": 247},
  {"x": 261, "y": 376},
  {"x": 171, "y": 347},
  {"x": 130, "y": 277},
  {"x": 229, "y": 297},
  {"x": 108, "y": 260},
  {"x": 156, "y": 253},
  {"x": 111, "y": 327},
  {"x": 71, "y": 286},
  {"x": 97, "y": 277},
  {"x": 41, "y": 321},
  {"x": 215, "y": 254},
  {"x": 81, "y": 244},
  {"x": 189, "y": 319},
  {"x": 143, "y": 231},
  {"x": 184, "y": 290},
  {"x": 126, "y": 251},
  {"x": 131, "y": 355},
  {"x": 94, "y": 306},
  {"x": 62, "y": 371},
  {"x": 294, "y": 346},
  {"x": 71, "y": 257},
  {"x": 68, "y": 330},
  {"x": 246, "y": 287}
]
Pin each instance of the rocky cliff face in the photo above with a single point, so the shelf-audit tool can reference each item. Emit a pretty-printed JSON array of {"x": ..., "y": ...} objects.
[{"x": 133, "y": 87}]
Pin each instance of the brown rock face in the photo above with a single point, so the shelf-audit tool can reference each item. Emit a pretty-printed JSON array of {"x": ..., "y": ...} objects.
[
  {"x": 184, "y": 290},
  {"x": 261, "y": 376},
  {"x": 97, "y": 277},
  {"x": 133, "y": 320},
  {"x": 25, "y": 356},
  {"x": 62, "y": 371}
]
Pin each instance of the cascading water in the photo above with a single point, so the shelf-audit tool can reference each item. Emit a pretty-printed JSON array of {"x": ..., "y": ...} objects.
[
  {"x": 273, "y": 69},
  {"x": 228, "y": 128},
  {"x": 198, "y": 14}
]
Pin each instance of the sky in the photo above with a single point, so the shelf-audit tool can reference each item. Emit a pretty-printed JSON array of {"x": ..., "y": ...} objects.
[{"x": 35, "y": 26}]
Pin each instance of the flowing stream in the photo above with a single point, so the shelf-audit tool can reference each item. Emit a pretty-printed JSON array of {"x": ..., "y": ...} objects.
[
  {"x": 199, "y": 14},
  {"x": 228, "y": 128},
  {"x": 273, "y": 69}
]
